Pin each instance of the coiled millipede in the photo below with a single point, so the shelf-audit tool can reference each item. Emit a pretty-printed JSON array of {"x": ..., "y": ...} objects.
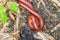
[{"x": 35, "y": 20}]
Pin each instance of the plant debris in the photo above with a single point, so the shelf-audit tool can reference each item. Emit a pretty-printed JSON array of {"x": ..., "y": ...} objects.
[{"x": 16, "y": 27}]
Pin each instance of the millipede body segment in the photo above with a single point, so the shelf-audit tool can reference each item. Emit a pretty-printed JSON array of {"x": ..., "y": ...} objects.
[{"x": 35, "y": 20}]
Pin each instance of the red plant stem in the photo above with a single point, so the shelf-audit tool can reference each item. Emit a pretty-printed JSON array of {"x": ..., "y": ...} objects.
[{"x": 35, "y": 20}]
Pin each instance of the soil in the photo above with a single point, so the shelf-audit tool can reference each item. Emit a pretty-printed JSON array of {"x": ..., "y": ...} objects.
[{"x": 50, "y": 12}]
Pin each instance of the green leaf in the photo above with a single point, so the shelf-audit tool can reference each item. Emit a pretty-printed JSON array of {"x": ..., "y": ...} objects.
[
  {"x": 13, "y": 6},
  {"x": 3, "y": 15}
]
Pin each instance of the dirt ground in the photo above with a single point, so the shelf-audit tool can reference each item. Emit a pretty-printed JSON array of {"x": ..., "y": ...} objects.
[{"x": 50, "y": 11}]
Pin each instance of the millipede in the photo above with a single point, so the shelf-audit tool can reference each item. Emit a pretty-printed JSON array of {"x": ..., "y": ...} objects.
[{"x": 35, "y": 20}]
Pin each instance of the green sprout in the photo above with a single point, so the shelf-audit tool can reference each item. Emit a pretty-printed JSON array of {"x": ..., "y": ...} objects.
[
  {"x": 3, "y": 15},
  {"x": 13, "y": 6}
]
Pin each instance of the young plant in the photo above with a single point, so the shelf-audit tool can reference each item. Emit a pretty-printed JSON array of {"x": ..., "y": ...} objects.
[
  {"x": 3, "y": 15},
  {"x": 13, "y": 6}
]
